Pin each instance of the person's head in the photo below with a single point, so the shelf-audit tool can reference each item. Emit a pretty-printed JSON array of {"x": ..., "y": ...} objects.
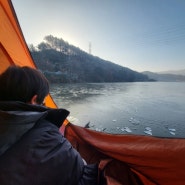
[{"x": 23, "y": 84}]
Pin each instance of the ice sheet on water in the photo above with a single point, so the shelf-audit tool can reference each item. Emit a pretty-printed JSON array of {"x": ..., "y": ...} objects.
[
  {"x": 172, "y": 131},
  {"x": 100, "y": 129},
  {"x": 134, "y": 121},
  {"x": 148, "y": 128},
  {"x": 148, "y": 131},
  {"x": 73, "y": 120},
  {"x": 126, "y": 129}
]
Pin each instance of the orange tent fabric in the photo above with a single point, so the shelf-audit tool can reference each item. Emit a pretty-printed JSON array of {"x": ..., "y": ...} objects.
[
  {"x": 154, "y": 160},
  {"x": 123, "y": 159},
  {"x": 13, "y": 48}
]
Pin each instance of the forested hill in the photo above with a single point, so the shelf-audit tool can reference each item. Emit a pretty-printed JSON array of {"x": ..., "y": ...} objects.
[{"x": 62, "y": 62}]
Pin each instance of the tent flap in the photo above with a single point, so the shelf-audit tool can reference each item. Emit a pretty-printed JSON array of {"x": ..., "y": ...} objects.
[{"x": 154, "y": 160}]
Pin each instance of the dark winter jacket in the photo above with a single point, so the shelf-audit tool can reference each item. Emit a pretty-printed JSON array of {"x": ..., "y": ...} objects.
[{"x": 32, "y": 150}]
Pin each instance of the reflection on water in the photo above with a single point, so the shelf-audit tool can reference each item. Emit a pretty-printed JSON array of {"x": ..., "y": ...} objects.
[{"x": 126, "y": 108}]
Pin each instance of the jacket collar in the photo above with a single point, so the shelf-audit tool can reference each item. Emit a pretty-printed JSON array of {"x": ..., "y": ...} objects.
[
  {"x": 16, "y": 118},
  {"x": 30, "y": 113}
]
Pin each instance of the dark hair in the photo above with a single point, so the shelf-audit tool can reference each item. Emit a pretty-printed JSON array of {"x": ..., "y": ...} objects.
[{"x": 22, "y": 83}]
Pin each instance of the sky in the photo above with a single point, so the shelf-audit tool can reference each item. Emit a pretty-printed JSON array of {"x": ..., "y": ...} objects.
[{"x": 143, "y": 35}]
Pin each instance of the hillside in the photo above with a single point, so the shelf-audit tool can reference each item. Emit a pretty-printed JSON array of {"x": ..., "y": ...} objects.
[{"x": 65, "y": 63}]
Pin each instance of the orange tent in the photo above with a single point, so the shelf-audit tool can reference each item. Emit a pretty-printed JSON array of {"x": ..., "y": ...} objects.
[
  {"x": 123, "y": 159},
  {"x": 13, "y": 48}
]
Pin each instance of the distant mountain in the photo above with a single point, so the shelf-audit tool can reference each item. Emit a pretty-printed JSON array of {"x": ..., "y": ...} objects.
[
  {"x": 165, "y": 77},
  {"x": 62, "y": 62},
  {"x": 174, "y": 72}
]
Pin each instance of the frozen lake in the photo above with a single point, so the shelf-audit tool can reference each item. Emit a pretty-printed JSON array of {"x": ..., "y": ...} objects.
[{"x": 144, "y": 108}]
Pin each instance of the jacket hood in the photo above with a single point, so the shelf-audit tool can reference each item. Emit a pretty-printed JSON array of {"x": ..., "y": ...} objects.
[{"x": 16, "y": 118}]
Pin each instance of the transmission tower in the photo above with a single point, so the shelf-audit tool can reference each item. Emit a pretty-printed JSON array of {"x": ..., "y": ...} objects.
[{"x": 90, "y": 48}]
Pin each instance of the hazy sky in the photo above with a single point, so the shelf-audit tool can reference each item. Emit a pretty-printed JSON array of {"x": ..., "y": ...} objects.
[{"x": 138, "y": 34}]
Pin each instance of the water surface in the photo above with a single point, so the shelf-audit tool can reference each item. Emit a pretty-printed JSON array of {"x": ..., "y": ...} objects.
[{"x": 144, "y": 108}]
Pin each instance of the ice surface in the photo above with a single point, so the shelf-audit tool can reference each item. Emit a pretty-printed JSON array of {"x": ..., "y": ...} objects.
[
  {"x": 126, "y": 129},
  {"x": 148, "y": 131}
]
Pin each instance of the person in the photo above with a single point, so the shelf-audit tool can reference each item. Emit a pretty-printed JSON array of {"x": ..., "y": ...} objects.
[{"x": 32, "y": 149}]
